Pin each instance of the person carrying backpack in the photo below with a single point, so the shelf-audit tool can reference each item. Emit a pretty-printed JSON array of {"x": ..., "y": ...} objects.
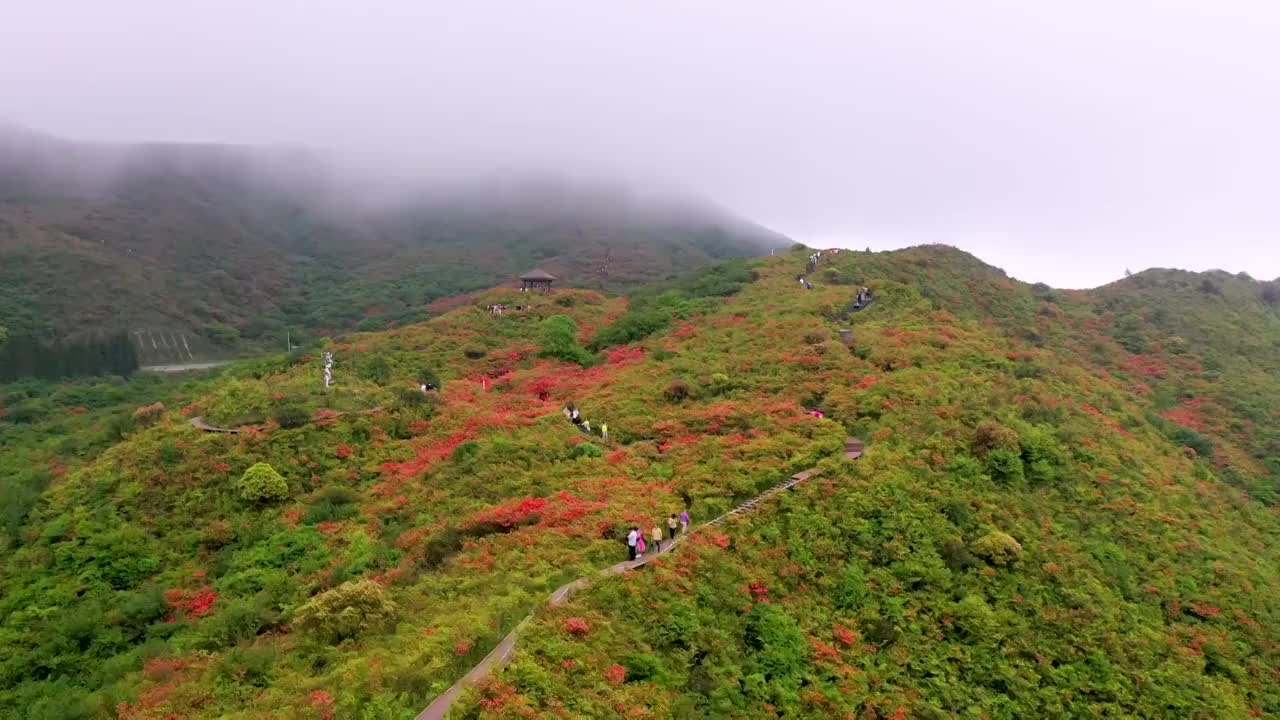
[{"x": 632, "y": 538}]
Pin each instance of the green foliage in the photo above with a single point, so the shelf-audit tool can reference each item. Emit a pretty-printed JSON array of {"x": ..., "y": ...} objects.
[
  {"x": 262, "y": 484},
  {"x": 353, "y": 609},
  {"x": 330, "y": 504},
  {"x": 998, "y": 548},
  {"x": 559, "y": 340},
  {"x": 291, "y": 416},
  {"x": 677, "y": 391},
  {"x": 779, "y": 648},
  {"x": 27, "y": 356},
  {"x": 657, "y": 306},
  {"x": 376, "y": 369}
]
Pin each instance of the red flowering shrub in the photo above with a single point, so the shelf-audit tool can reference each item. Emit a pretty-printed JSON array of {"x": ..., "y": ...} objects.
[
  {"x": 616, "y": 674},
  {"x": 191, "y": 603},
  {"x": 577, "y": 627}
]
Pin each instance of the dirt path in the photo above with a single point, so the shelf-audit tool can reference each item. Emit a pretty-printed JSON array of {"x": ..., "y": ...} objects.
[
  {"x": 500, "y": 655},
  {"x": 184, "y": 367},
  {"x": 200, "y": 424}
]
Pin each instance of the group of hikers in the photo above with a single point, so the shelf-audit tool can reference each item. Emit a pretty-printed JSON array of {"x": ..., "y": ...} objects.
[
  {"x": 571, "y": 411},
  {"x": 636, "y": 545},
  {"x": 499, "y": 308},
  {"x": 864, "y": 298}
]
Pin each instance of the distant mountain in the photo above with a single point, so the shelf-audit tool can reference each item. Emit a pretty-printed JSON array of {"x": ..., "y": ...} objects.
[{"x": 236, "y": 244}]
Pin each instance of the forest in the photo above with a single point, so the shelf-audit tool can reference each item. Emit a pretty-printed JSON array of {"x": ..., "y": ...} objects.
[
  {"x": 1067, "y": 507},
  {"x": 26, "y": 356}
]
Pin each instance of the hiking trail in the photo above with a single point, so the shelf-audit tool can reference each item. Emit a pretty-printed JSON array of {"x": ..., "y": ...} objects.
[{"x": 501, "y": 654}]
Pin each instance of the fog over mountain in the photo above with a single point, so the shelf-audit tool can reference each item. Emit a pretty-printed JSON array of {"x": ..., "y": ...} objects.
[{"x": 1063, "y": 140}]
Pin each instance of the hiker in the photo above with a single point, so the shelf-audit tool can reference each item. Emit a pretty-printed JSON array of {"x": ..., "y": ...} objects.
[
  {"x": 586, "y": 426},
  {"x": 604, "y": 431},
  {"x": 801, "y": 279},
  {"x": 672, "y": 526},
  {"x": 684, "y": 521},
  {"x": 640, "y": 546},
  {"x": 632, "y": 538},
  {"x": 808, "y": 285},
  {"x": 656, "y": 534}
]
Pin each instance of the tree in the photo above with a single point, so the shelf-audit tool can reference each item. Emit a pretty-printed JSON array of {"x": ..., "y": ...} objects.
[{"x": 261, "y": 483}]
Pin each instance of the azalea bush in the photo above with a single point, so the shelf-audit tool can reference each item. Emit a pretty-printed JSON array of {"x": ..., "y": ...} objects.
[
  {"x": 261, "y": 483},
  {"x": 347, "y": 611}
]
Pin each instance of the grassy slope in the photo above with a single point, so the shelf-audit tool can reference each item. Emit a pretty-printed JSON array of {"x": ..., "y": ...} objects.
[{"x": 1142, "y": 589}]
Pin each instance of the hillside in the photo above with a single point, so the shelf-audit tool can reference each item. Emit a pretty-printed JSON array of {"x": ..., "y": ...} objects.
[
  {"x": 1061, "y": 512},
  {"x": 235, "y": 245}
]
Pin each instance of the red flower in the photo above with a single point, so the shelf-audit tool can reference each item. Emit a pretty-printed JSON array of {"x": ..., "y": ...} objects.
[
  {"x": 616, "y": 674},
  {"x": 462, "y": 647},
  {"x": 343, "y": 451},
  {"x": 577, "y": 626},
  {"x": 843, "y": 634}
]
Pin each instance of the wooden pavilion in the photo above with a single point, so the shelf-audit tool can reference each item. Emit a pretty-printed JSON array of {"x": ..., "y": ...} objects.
[{"x": 537, "y": 279}]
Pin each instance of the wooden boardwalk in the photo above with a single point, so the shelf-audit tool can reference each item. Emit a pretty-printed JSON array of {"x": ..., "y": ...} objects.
[{"x": 501, "y": 655}]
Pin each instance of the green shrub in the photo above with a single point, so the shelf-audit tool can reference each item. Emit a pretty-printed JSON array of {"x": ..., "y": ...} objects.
[
  {"x": 1187, "y": 437},
  {"x": 998, "y": 548},
  {"x": 376, "y": 369},
  {"x": 780, "y": 648},
  {"x": 559, "y": 339},
  {"x": 410, "y": 398},
  {"x": 641, "y": 668},
  {"x": 331, "y": 503},
  {"x": 465, "y": 451},
  {"x": 957, "y": 555},
  {"x": 587, "y": 449},
  {"x": 350, "y": 610},
  {"x": 1005, "y": 466},
  {"x": 677, "y": 391},
  {"x": 261, "y": 483},
  {"x": 217, "y": 534},
  {"x": 429, "y": 376},
  {"x": 234, "y": 623},
  {"x": 291, "y": 416}
]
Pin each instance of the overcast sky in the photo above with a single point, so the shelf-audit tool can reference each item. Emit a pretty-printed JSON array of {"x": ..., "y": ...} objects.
[{"x": 1063, "y": 140}]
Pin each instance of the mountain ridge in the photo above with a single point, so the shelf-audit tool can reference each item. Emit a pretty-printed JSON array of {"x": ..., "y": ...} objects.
[{"x": 239, "y": 244}]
